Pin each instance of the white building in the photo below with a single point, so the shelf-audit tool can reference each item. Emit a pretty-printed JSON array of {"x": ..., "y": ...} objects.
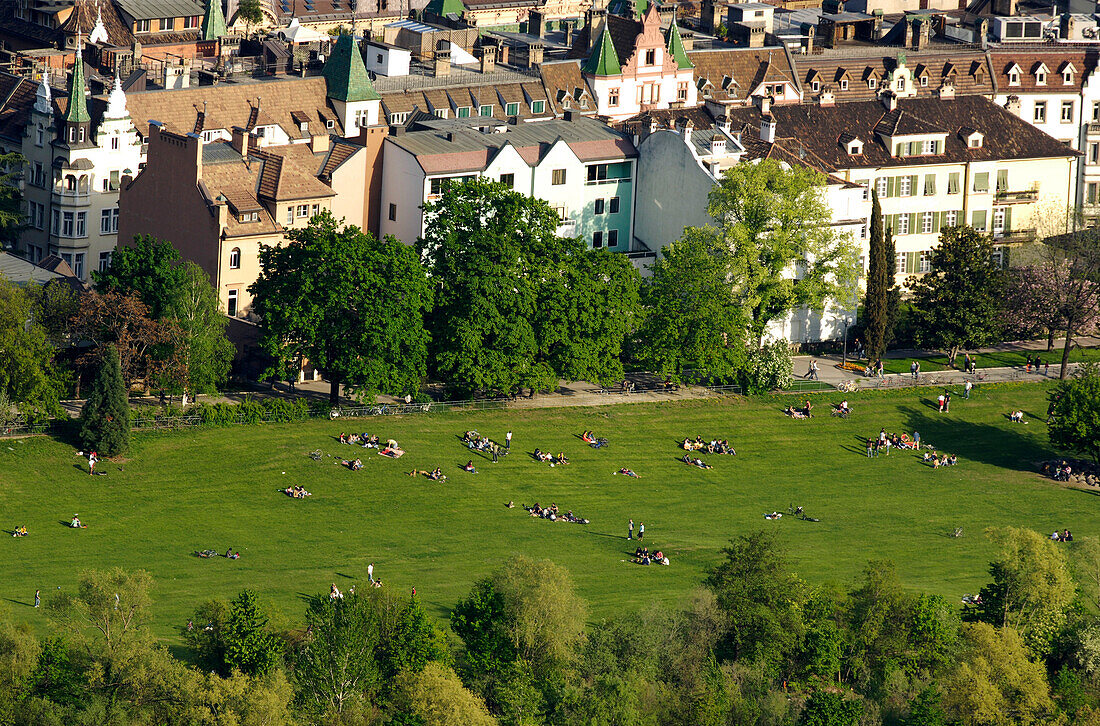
[
  {"x": 579, "y": 166},
  {"x": 386, "y": 60}
]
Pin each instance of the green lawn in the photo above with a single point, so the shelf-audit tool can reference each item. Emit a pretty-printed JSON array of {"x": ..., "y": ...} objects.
[
  {"x": 218, "y": 488},
  {"x": 1003, "y": 359}
]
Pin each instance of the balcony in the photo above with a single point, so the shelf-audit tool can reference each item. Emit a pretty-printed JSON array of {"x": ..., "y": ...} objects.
[
  {"x": 1024, "y": 197},
  {"x": 567, "y": 228},
  {"x": 1014, "y": 235},
  {"x": 71, "y": 198},
  {"x": 1092, "y": 129}
]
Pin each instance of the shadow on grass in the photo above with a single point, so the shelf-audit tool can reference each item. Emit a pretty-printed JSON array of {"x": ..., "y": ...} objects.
[
  {"x": 986, "y": 443},
  {"x": 19, "y": 602}
]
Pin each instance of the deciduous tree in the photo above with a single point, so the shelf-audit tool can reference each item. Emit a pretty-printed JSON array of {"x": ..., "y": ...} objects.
[
  {"x": 1075, "y": 412},
  {"x": 122, "y": 322},
  {"x": 349, "y": 303},
  {"x": 435, "y": 696},
  {"x": 26, "y": 355},
  {"x": 202, "y": 353},
  {"x": 959, "y": 303},
  {"x": 148, "y": 268},
  {"x": 11, "y": 198}
]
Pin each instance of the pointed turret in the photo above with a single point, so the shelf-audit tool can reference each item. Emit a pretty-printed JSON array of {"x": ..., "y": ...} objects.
[
  {"x": 345, "y": 74},
  {"x": 77, "y": 110},
  {"x": 43, "y": 98},
  {"x": 213, "y": 21},
  {"x": 99, "y": 32},
  {"x": 116, "y": 102},
  {"x": 604, "y": 60},
  {"x": 676, "y": 48}
]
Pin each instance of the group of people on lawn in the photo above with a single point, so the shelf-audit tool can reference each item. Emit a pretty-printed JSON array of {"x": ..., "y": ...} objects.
[
  {"x": 551, "y": 513},
  {"x": 297, "y": 492},
  {"x": 643, "y": 557},
  {"x": 714, "y": 446},
  {"x": 541, "y": 455},
  {"x": 885, "y": 441}
]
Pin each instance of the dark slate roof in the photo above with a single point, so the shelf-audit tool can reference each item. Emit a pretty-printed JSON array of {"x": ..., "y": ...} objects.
[{"x": 812, "y": 133}]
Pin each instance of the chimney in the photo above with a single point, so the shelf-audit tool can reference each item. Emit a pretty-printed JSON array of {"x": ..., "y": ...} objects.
[
  {"x": 764, "y": 102},
  {"x": 240, "y": 141},
  {"x": 653, "y": 126},
  {"x": 534, "y": 55},
  {"x": 442, "y": 61},
  {"x": 595, "y": 19},
  {"x": 688, "y": 128},
  {"x": 569, "y": 115},
  {"x": 450, "y": 135},
  {"x": 947, "y": 92},
  {"x": 1012, "y": 105},
  {"x": 889, "y": 100},
  {"x": 488, "y": 58},
  {"x": 318, "y": 143},
  {"x": 688, "y": 39},
  {"x": 717, "y": 145},
  {"x": 808, "y": 43},
  {"x": 723, "y": 123},
  {"x": 536, "y": 23},
  {"x": 767, "y": 128},
  {"x": 826, "y": 98},
  {"x": 569, "y": 30}
]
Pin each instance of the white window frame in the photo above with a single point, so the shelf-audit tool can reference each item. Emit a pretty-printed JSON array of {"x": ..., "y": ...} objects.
[
  {"x": 232, "y": 303},
  {"x": 926, "y": 223}
]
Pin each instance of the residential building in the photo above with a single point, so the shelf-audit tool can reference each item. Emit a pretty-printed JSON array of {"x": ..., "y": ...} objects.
[
  {"x": 935, "y": 162},
  {"x": 580, "y": 167}
]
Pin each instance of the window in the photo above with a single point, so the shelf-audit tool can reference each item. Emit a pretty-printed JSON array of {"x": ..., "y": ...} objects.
[
  {"x": 235, "y": 258},
  {"x": 508, "y": 180},
  {"x": 597, "y": 239},
  {"x": 953, "y": 182},
  {"x": 37, "y": 215},
  {"x": 191, "y": 21},
  {"x": 613, "y": 97},
  {"x": 815, "y": 85},
  {"x": 393, "y": 212},
  {"x": 165, "y": 24},
  {"x": 1040, "y": 112},
  {"x": 613, "y": 238},
  {"x": 485, "y": 109},
  {"x": 899, "y": 264},
  {"x": 462, "y": 112},
  {"x": 538, "y": 106},
  {"x": 1094, "y": 153},
  {"x": 600, "y": 204},
  {"x": 290, "y": 214},
  {"x": 104, "y": 261},
  {"x": 931, "y": 146},
  {"x": 929, "y": 185},
  {"x": 557, "y": 177},
  {"x": 906, "y": 186},
  {"x": 1002, "y": 180},
  {"x": 978, "y": 220},
  {"x": 399, "y": 118},
  {"x": 303, "y": 210},
  {"x": 55, "y": 221},
  {"x": 78, "y": 264},
  {"x": 926, "y": 223},
  {"x": 613, "y": 208},
  {"x": 141, "y": 26},
  {"x": 1014, "y": 77},
  {"x": 998, "y": 257},
  {"x": 925, "y": 261},
  {"x": 950, "y": 219},
  {"x": 330, "y": 123},
  {"x": 651, "y": 57},
  {"x": 1091, "y": 190},
  {"x": 871, "y": 83},
  {"x": 844, "y": 84},
  {"x": 314, "y": 210},
  {"x": 67, "y": 224},
  {"x": 924, "y": 81},
  {"x": 862, "y": 235},
  {"x": 231, "y": 305},
  {"x": 114, "y": 143},
  {"x": 560, "y": 211},
  {"x": 681, "y": 91},
  {"x": 512, "y": 109},
  {"x": 108, "y": 221},
  {"x": 881, "y": 186},
  {"x": 903, "y": 224},
  {"x": 39, "y": 136},
  {"x": 362, "y": 119},
  {"x": 38, "y": 175},
  {"x": 999, "y": 221},
  {"x": 981, "y": 181},
  {"x": 441, "y": 113},
  {"x": 865, "y": 183},
  {"x": 81, "y": 224},
  {"x": 1096, "y": 110}
]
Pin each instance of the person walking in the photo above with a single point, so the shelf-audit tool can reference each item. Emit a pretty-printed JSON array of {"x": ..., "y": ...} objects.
[
  {"x": 913, "y": 368},
  {"x": 641, "y": 530},
  {"x": 508, "y": 441},
  {"x": 37, "y": 598},
  {"x": 947, "y": 402},
  {"x": 370, "y": 573},
  {"x": 939, "y": 401},
  {"x": 916, "y": 439},
  {"x": 966, "y": 363},
  {"x": 93, "y": 459},
  {"x": 630, "y": 530},
  {"x": 967, "y": 387}
]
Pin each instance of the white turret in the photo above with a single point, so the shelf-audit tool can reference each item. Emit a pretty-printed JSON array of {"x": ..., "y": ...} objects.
[
  {"x": 99, "y": 33},
  {"x": 116, "y": 102},
  {"x": 43, "y": 99}
]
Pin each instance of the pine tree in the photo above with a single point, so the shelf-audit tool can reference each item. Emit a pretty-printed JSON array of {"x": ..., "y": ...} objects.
[
  {"x": 105, "y": 418},
  {"x": 875, "y": 306}
]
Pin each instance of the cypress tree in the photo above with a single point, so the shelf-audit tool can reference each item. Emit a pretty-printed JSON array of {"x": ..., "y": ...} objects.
[
  {"x": 105, "y": 418},
  {"x": 875, "y": 305}
]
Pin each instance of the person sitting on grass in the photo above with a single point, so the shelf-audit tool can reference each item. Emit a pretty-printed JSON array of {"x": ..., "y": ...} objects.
[
  {"x": 844, "y": 408},
  {"x": 20, "y": 531},
  {"x": 234, "y": 555},
  {"x": 794, "y": 412},
  {"x": 1016, "y": 416},
  {"x": 469, "y": 468},
  {"x": 628, "y": 472},
  {"x": 774, "y": 515},
  {"x": 76, "y": 523},
  {"x": 437, "y": 475},
  {"x": 588, "y": 437},
  {"x": 562, "y": 458}
]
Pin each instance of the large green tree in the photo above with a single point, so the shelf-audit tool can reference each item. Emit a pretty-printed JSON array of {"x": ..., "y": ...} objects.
[
  {"x": 11, "y": 198},
  {"x": 250, "y": 646},
  {"x": 26, "y": 354},
  {"x": 880, "y": 278},
  {"x": 693, "y": 321},
  {"x": 202, "y": 354},
  {"x": 1075, "y": 412},
  {"x": 777, "y": 224},
  {"x": 351, "y": 304},
  {"x": 959, "y": 303},
  {"x": 105, "y": 417},
  {"x": 148, "y": 268}
]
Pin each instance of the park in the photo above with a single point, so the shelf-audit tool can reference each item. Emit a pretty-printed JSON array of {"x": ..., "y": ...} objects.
[{"x": 178, "y": 493}]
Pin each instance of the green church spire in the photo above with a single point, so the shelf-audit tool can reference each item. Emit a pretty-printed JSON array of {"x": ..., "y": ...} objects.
[
  {"x": 213, "y": 21},
  {"x": 676, "y": 48},
  {"x": 604, "y": 61},
  {"x": 345, "y": 74},
  {"x": 77, "y": 111}
]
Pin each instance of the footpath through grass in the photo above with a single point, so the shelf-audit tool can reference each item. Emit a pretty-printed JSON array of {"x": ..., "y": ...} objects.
[
  {"x": 999, "y": 359},
  {"x": 218, "y": 488}
]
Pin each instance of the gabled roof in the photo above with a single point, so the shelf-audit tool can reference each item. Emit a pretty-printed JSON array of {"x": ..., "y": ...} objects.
[
  {"x": 899, "y": 123},
  {"x": 346, "y": 75},
  {"x": 604, "y": 61},
  {"x": 676, "y": 47},
  {"x": 443, "y": 8}
]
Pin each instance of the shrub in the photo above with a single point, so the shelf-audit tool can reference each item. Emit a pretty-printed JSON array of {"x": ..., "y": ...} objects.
[{"x": 768, "y": 368}]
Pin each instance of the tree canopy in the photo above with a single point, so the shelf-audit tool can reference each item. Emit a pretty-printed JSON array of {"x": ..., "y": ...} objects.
[
  {"x": 148, "y": 268},
  {"x": 1075, "y": 412}
]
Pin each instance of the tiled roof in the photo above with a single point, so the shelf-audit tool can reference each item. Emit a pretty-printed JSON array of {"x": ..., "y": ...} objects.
[
  {"x": 289, "y": 172},
  {"x": 443, "y": 8},
  {"x": 152, "y": 9},
  {"x": 346, "y": 73},
  {"x": 733, "y": 74},
  {"x": 228, "y": 105},
  {"x": 77, "y": 111},
  {"x": 623, "y": 31},
  {"x": 497, "y": 96},
  {"x": 812, "y": 133},
  {"x": 1084, "y": 62},
  {"x": 666, "y": 118},
  {"x": 900, "y": 123},
  {"x": 16, "y": 101},
  {"x": 337, "y": 155},
  {"x": 967, "y": 70},
  {"x": 83, "y": 19}
]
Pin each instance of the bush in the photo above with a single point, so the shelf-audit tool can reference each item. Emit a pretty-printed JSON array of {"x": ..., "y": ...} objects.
[
  {"x": 250, "y": 411},
  {"x": 217, "y": 414},
  {"x": 769, "y": 368}
]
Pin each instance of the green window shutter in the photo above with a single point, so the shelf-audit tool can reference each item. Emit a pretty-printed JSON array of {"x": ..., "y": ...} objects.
[
  {"x": 913, "y": 182},
  {"x": 1008, "y": 222},
  {"x": 894, "y": 224},
  {"x": 911, "y": 262},
  {"x": 953, "y": 183},
  {"x": 892, "y": 186},
  {"x": 937, "y": 220},
  {"x": 978, "y": 220},
  {"x": 913, "y": 223},
  {"x": 1002, "y": 180},
  {"x": 899, "y": 149},
  {"x": 981, "y": 181},
  {"x": 929, "y": 185},
  {"x": 1005, "y": 250}
]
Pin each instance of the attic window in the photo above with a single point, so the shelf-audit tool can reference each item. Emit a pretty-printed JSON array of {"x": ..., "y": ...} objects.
[
  {"x": 304, "y": 127},
  {"x": 975, "y": 140},
  {"x": 1014, "y": 76},
  {"x": 247, "y": 217},
  {"x": 844, "y": 84},
  {"x": 815, "y": 86},
  {"x": 855, "y": 147},
  {"x": 330, "y": 124},
  {"x": 1040, "y": 78},
  {"x": 1067, "y": 77},
  {"x": 872, "y": 82},
  {"x": 924, "y": 81}
]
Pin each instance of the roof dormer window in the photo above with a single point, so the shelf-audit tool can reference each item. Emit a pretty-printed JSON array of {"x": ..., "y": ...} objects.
[
  {"x": 1041, "y": 78},
  {"x": 1014, "y": 75},
  {"x": 872, "y": 83},
  {"x": 844, "y": 84},
  {"x": 855, "y": 147},
  {"x": 1068, "y": 71}
]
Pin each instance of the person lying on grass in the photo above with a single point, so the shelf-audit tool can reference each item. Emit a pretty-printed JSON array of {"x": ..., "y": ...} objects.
[
  {"x": 297, "y": 492},
  {"x": 628, "y": 472},
  {"x": 795, "y": 412},
  {"x": 437, "y": 475},
  {"x": 20, "y": 531},
  {"x": 687, "y": 459},
  {"x": 353, "y": 464}
]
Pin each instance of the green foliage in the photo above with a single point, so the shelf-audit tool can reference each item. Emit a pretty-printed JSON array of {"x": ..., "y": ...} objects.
[
  {"x": 207, "y": 638},
  {"x": 149, "y": 268},
  {"x": 351, "y": 304},
  {"x": 335, "y": 668},
  {"x": 479, "y": 621},
  {"x": 11, "y": 198},
  {"x": 249, "y": 644},
  {"x": 105, "y": 417},
  {"x": 772, "y": 219},
  {"x": 880, "y": 278},
  {"x": 831, "y": 708},
  {"x": 202, "y": 354},
  {"x": 55, "y": 677},
  {"x": 926, "y": 709},
  {"x": 958, "y": 304},
  {"x": 27, "y": 372},
  {"x": 435, "y": 696},
  {"x": 769, "y": 368},
  {"x": 251, "y": 11},
  {"x": 692, "y": 321},
  {"x": 1031, "y": 590},
  {"x": 1075, "y": 409}
]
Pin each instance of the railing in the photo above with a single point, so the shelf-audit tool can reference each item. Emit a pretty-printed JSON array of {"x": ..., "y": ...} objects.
[
  {"x": 1026, "y": 196},
  {"x": 71, "y": 199}
]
